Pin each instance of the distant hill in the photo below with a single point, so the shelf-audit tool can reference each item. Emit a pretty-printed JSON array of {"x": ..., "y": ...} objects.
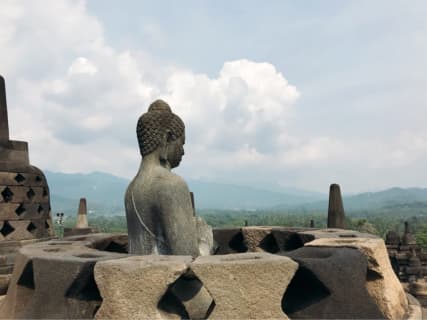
[
  {"x": 391, "y": 198},
  {"x": 105, "y": 192},
  {"x": 210, "y": 195}
]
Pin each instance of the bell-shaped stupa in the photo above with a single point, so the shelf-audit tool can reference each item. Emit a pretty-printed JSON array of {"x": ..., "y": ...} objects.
[{"x": 24, "y": 193}]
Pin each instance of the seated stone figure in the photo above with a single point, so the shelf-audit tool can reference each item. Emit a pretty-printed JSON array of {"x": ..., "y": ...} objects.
[{"x": 159, "y": 211}]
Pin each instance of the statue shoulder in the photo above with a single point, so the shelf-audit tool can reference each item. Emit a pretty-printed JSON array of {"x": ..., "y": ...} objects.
[
  {"x": 172, "y": 186},
  {"x": 175, "y": 181}
]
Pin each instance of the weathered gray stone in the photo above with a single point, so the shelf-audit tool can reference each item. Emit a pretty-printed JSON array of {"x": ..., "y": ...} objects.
[
  {"x": 205, "y": 237},
  {"x": 418, "y": 288},
  {"x": 415, "y": 311},
  {"x": 25, "y": 211},
  {"x": 4, "y": 126},
  {"x": 383, "y": 285},
  {"x": 274, "y": 239},
  {"x": 26, "y": 229},
  {"x": 78, "y": 231},
  {"x": 195, "y": 298},
  {"x": 1, "y": 300},
  {"x": 116, "y": 242},
  {"x": 312, "y": 234},
  {"x": 24, "y": 194},
  {"x": 21, "y": 179},
  {"x": 336, "y": 216},
  {"x": 245, "y": 286},
  {"x": 255, "y": 238},
  {"x": 132, "y": 288},
  {"x": 159, "y": 211},
  {"x": 288, "y": 239},
  {"x": 320, "y": 287},
  {"x": 54, "y": 280},
  {"x": 229, "y": 240},
  {"x": 4, "y": 283}
]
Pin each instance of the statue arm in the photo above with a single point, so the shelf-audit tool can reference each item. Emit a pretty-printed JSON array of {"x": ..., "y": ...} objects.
[{"x": 177, "y": 217}]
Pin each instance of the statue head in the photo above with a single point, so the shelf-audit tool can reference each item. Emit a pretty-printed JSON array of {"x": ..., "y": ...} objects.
[{"x": 160, "y": 129}]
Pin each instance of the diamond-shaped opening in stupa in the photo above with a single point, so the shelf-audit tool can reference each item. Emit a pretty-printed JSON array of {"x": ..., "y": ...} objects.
[
  {"x": 7, "y": 194},
  {"x": 6, "y": 229},
  {"x": 20, "y": 210},
  {"x": 31, "y": 194},
  {"x": 31, "y": 227},
  {"x": 19, "y": 178}
]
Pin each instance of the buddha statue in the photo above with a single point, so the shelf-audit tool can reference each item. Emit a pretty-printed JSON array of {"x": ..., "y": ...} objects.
[{"x": 159, "y": 211}]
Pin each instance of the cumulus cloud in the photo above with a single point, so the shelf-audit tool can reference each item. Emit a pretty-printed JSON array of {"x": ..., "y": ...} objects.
[
  {"x": 82, "y": 66},
  {"x": 92, "y": 94},
  {"x": 76, "y": 99},
  {"x": 237, "y": 108}
]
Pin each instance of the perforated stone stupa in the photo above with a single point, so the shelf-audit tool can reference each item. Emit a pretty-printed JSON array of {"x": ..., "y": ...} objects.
[{"x": 24, "y": 193}]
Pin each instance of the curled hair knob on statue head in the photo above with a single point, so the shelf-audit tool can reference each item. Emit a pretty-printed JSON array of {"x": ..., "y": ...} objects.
[
  {"x": 160, "y": 106},
  {"x": 153, "y": 125}
]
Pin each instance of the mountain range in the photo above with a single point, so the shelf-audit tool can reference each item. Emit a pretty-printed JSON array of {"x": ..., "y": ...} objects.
[{"x": 105, "y": 192}]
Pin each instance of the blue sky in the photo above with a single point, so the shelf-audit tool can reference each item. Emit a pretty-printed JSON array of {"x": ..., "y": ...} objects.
[{"x": 289, "y": 93}]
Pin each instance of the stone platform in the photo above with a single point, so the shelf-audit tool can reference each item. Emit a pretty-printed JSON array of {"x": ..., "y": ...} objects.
[{"x": 261, "y": 273}]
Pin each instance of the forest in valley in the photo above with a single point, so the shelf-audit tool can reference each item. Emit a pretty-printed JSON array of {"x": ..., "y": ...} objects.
[{"x": 377, "y": 221}]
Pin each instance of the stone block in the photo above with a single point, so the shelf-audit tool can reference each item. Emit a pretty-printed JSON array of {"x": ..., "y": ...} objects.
[
  {"x": 382, "y": 285},
  {"x": 321, "y": 287},
  {"x": 311, "y": 234},
  {"x": 15, "y": 153},
  {"x": 288, "y": 239},
  {"x": 274, "y": 239},
  {"x": 132, "y": 288},
  {"x": 24, "y": 211},
  {"x": 116, "y": 242},
  {"x": 26, "y": 229},
  {"x": 16, "y": 230},
  {"x": 78, "y": 231},
  {"x": 22, "y": 179},
  {"x": 229, "y": 240},
  {"x": 245, "y": 286},
  {"x": 259, "y": 239},
  {"x": 54, "y": 280},
  {"x": 20, "y": 194}
]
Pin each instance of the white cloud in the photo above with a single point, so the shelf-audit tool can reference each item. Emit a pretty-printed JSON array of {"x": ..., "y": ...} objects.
[
  {"x": 92, "y": 95},
  {"x": 82, "y": 66},
  {"x": 97, "y": 122},
  {"x": 76, "y": 100}
]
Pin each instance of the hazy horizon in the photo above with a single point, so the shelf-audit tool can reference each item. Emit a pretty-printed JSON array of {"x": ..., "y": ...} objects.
[
  {"x": 266, "y": 187},
  {"x": 291, "y": 94}
]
